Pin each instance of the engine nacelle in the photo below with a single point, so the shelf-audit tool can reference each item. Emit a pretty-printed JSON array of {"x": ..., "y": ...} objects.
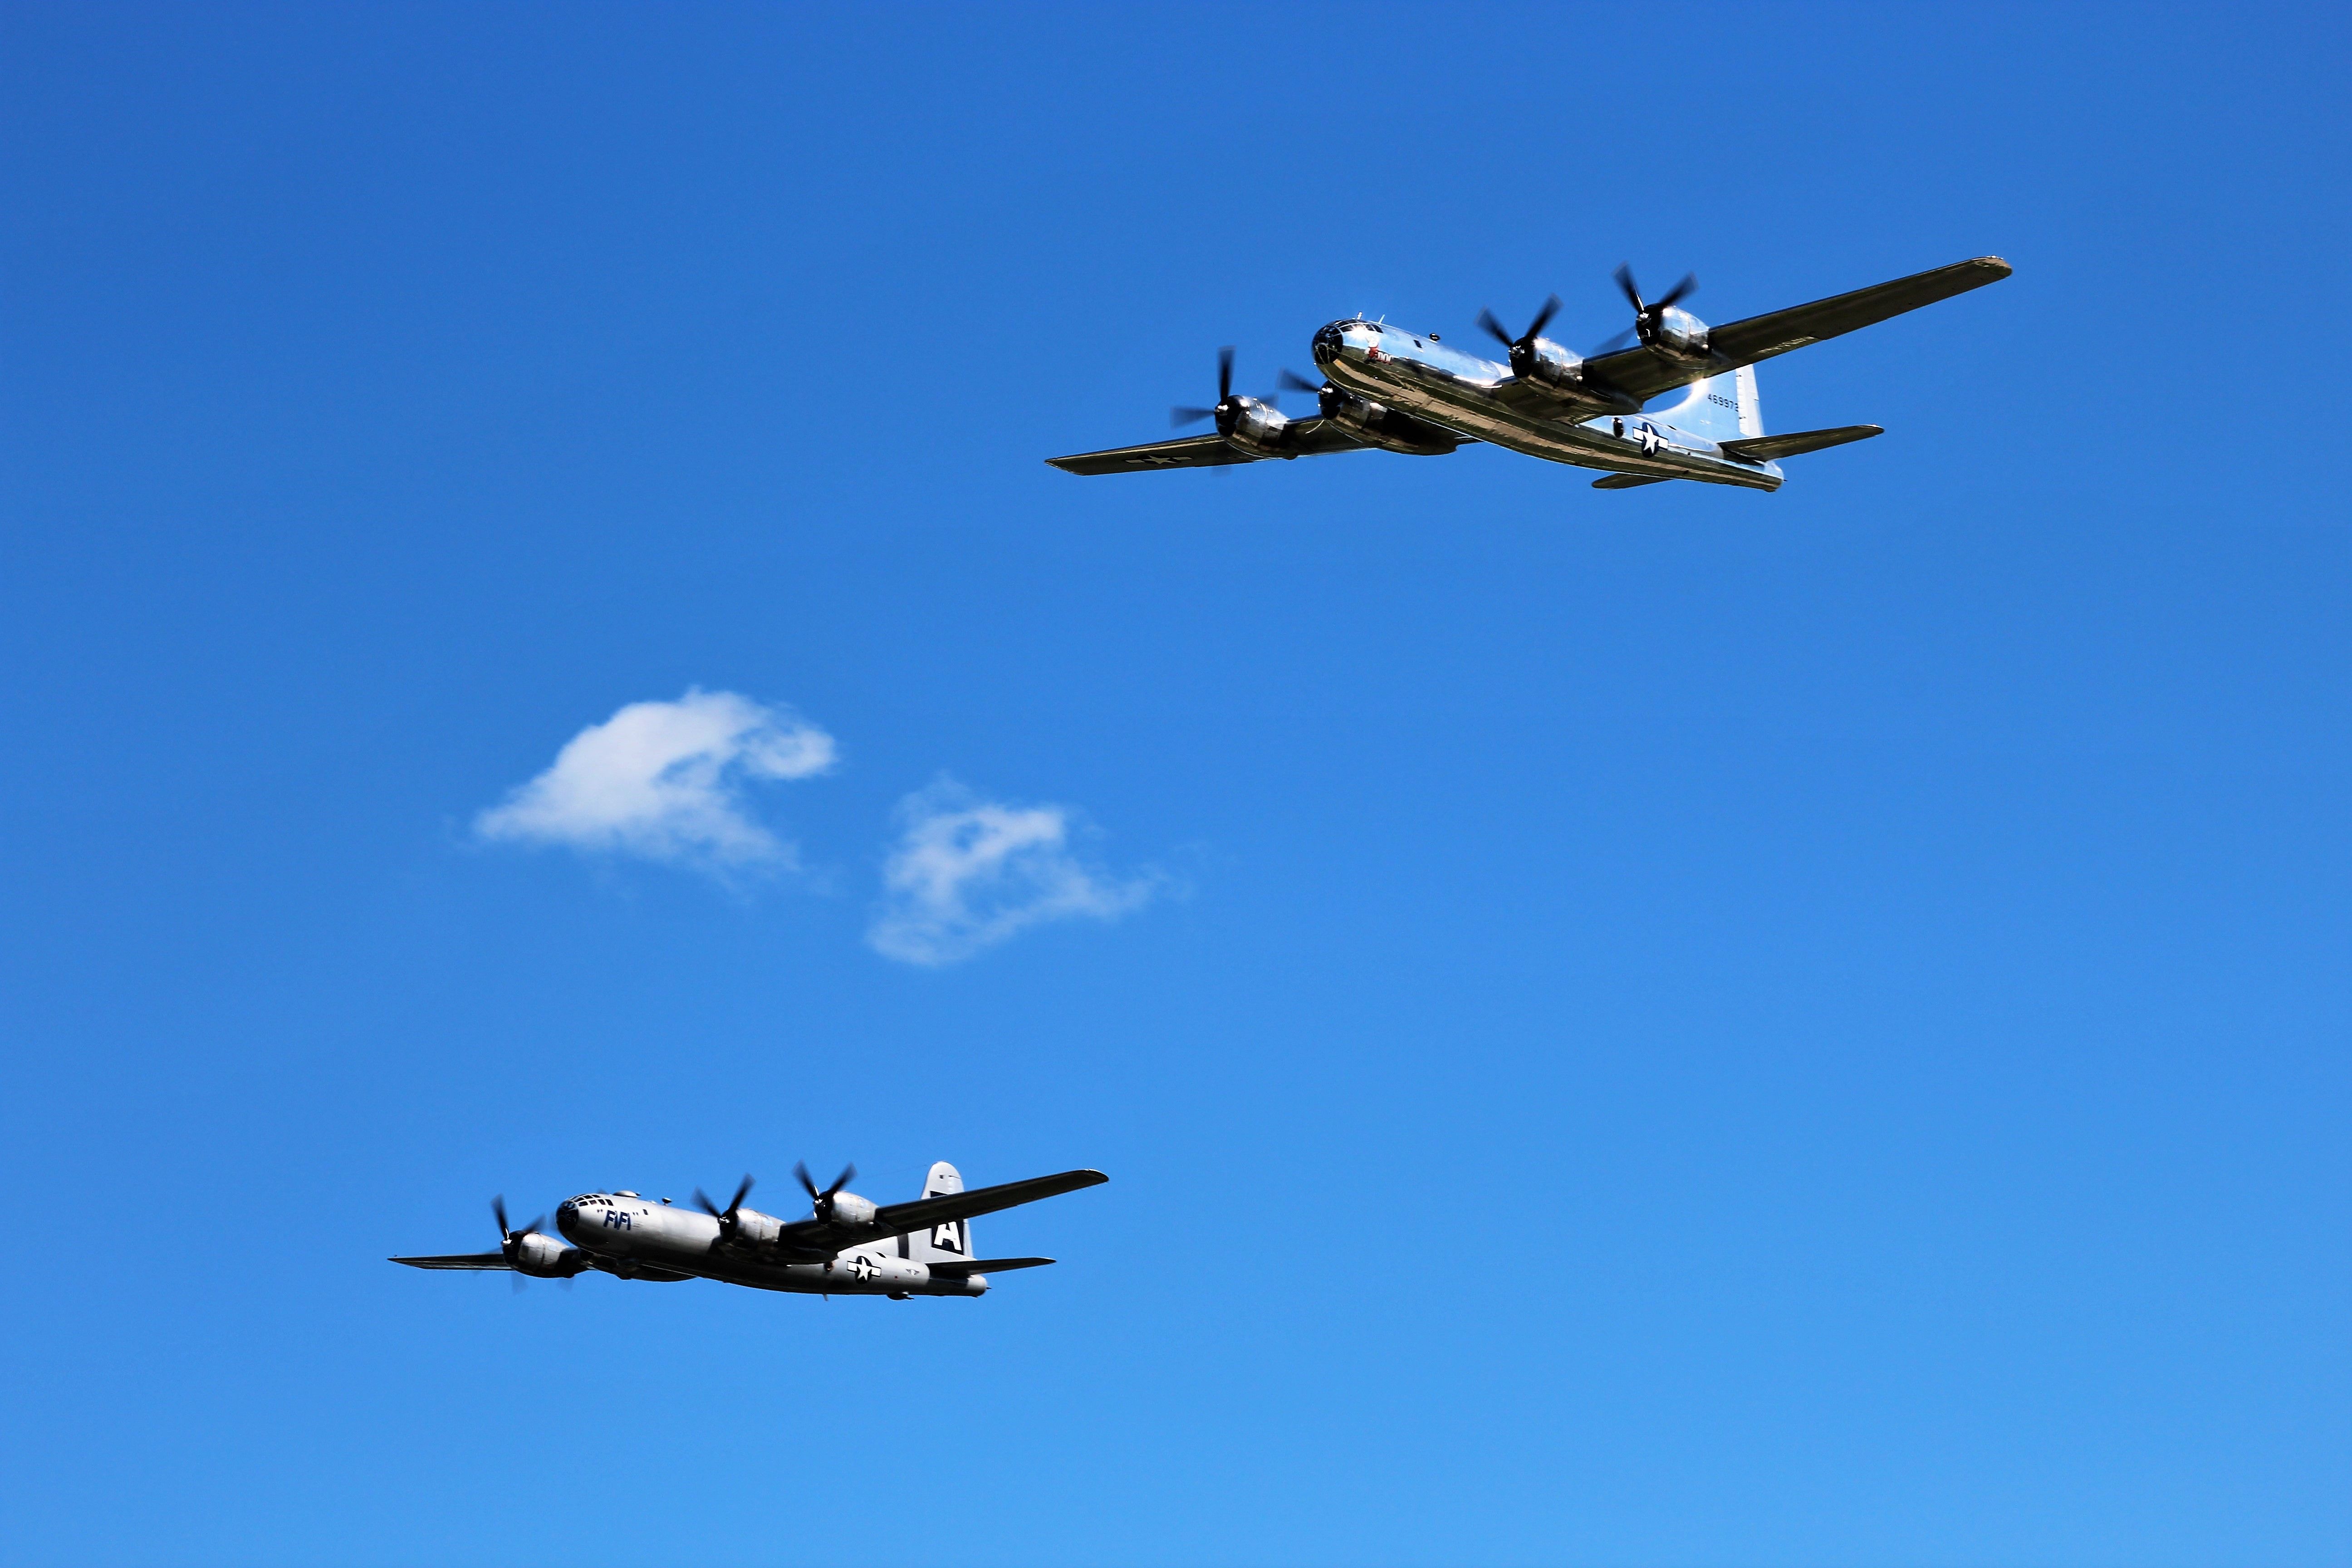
[
  {"x": 1678, "y": 335},
  {"x": 544, "y": 1257},
  {"x": 1386, "y": 427},
  {"x": 848, "y": 1208},
  {"x": 1560, "y": 371},
  {"x": 1254, "y": 428},
  {"x": 1546, "y": 363},
  {"x": 751, "y": 1229}
]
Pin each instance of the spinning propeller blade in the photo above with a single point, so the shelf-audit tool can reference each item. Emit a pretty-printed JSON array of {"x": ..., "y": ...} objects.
[
  {"x": 822, "y": 1202},
  {"x": 1291, "y": 381},
  {"x": 1502, "y": 335},
  {"x": 499, "y": 1210},
  {"x": 1182, "y": 415},
  {"x": 1646, "y": 316},
  {"x": 742, "y": 1191}
]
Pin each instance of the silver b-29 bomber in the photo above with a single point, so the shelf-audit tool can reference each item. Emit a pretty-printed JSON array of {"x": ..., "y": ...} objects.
[
  {"x": 848, "y": 1246},
  {"x": 1388, "y": 388}
]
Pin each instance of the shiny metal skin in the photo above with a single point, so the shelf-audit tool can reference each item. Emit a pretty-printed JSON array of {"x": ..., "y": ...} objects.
[
  {"x": 636, "y": 1239},
  {"x": 1255, "y": 427},
  {"x": 1394, "y": 389},
  {"x": 849, "y": 1246},
  {"x": 1391, "y": 430},
  {"x": 1415, "y": 373}
]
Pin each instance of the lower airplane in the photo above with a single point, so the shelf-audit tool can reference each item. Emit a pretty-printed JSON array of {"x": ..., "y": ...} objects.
[
  {"x": 847, "y": 1246},
  {"x": 1404, "y": 390}
]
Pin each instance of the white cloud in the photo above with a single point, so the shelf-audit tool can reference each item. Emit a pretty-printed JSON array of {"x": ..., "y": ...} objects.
[
  {"x": 967, "y": 873},
  {"x": 667, "y": 781}
]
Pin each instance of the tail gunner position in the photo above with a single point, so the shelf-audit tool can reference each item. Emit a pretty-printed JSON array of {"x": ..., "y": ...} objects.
[
  {"x": 1405, "y": 392},
  {"x": 848, "y": 1246}
]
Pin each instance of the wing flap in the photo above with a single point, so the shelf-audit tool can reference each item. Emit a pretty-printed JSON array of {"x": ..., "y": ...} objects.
[
  {"x": 457, "y": 1261},
  {"x": 1769, "y": 449},
  {"x": 1627, "y": 481}
]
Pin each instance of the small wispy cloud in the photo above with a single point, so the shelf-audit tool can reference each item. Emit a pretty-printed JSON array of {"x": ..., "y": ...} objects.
[
  {"x": 967, "y": 873},
  {"x": 668, "y": 781}
]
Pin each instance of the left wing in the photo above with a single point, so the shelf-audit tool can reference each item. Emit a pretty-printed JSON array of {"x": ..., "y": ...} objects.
[
  {"x": 457, "y": 1261},
  {"x": 1311, "y": 438},
  {"x": 1644, "y": 375},
  {"x": 1186, "y": 452}
]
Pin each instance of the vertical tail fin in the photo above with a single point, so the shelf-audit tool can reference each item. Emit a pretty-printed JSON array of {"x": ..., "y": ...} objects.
[
  {"x": 1721, "y": 408},
  {"x": 950, "y": 1243}
]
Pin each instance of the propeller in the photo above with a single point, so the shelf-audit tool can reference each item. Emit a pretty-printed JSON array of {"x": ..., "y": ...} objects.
[
  {"x": 1181, "y": 416},
  {"x": 1291, "y": 381},
  {"x": 1527, "y": 340},
  {"x": 1646, "y": 316},
  {"x": 507, "y": 1238},
  {"x": 726, "y": 1216},
  {"x": 822, "y": 1201}
]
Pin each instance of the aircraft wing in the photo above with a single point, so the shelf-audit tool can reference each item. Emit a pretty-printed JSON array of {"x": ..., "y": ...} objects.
[
  {"x": 819, "y": 1237},
  {"x": 899, "y": 1218},
  {"x": 1186, "y": 452},
  {"x": 1644, "y": 376},
  {"x": 1314, "y": 438},
  {"x": 953, "y": 1271},
  {"x": 457, "y": 1261}
]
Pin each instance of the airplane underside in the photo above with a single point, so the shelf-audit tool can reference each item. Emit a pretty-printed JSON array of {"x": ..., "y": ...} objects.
[
  {"x": 1405, "y": 391},
  {"x": 858, "y": 1274},
  {"x": 1647, "y": 448}
]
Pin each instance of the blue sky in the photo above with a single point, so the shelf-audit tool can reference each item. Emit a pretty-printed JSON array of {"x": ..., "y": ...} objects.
[{"x": 1680, "y": 1027}]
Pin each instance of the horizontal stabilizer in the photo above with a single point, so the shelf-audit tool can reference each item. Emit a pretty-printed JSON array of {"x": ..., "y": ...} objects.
[
  {"x": 1769, "y": 449},
  {"x": 457, "y": 1261},
  {"x": 965, "y": 1269},
  {"x": 1627, "y": 481}
]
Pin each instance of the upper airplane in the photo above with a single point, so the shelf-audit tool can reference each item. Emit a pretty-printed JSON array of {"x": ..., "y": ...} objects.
[
  {"x": 1405, "y": 392},
  {"x": 847, "y": 1246}
]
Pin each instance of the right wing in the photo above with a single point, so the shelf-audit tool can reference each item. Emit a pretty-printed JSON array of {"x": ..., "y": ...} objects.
[
  {"x": 1314, "y": 437},
  {"x": 457, "y": 1261}
]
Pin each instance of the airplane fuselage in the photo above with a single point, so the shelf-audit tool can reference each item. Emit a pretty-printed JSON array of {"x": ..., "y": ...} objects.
[
  {"x": 640, "y": 1239},
  {"x": 1416, "y": 372}
]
